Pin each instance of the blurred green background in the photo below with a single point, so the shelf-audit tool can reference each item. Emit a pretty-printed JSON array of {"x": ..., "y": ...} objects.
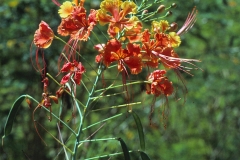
[{"x": 206, "y": 126}]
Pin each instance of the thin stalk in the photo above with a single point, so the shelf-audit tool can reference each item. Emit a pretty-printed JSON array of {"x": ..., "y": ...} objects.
[
  {"x": 92, "y": 134},
  {"x": 56, "y": 139},
  {"x": 96, "y": 140},
  {"x": 60, "y": 135},
  {"x": 58, "y": 38},
  {"x": 109, "y": 95},
  {"x": 118, "y": 106},
  {"x": 88, "y": 78},
  {"x": 85, "y": 86},
  {"x": 99, "y": 72},
  {"x": 66, "y": 90},
  {"x": 52, "y": 114},
  {"x": 102, "y": 121},
  {"x": 152, "y": 14},
  {"x": 137, "y": 82},
  {"x": 107, "y": 155}
]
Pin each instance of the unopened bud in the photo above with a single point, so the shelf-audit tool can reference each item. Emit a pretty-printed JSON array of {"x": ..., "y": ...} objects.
[
  {"x": 44, "y": 95},
  {"x": 144, "y": 12},
  {"x": 59, "y": 92},
  {"x": 173, "y": 5},
  {"x": 173, "y": 27},
  {"x": 54, "y": 98},
  {"x": 161, "y": 8},
  {"x": 169, "y": 13}
]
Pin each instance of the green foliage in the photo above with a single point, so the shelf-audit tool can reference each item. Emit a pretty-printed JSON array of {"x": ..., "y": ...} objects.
[
  {"x": 140, "y": 130},
  {"x": 124, "y": 149},
  {"x": 12, "y": 114}
]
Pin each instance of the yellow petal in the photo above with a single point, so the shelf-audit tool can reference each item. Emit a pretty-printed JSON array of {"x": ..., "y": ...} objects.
[
  {"x": 129, "y": 7},
  {"x": 110, "y": 5},
  {"x": 65, "y": 9},
  {"x": 164, "y": 25},
  {"x": 175, "y": 40},
  {"x": 161, "y": 26}
]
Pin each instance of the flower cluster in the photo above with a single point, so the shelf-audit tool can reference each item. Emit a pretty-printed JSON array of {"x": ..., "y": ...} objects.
[
  {"x": 75, "y": 21},
  {"x": 137, "y": 41},
  {"x": 129, "y": 44}
]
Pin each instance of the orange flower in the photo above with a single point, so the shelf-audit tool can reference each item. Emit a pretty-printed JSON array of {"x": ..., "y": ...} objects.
[
  {"x": 160, "y": 49},
  {"x": 75, "y": 22},
  {"x": 43, "y": 37},
  {"x": 148, "y": 46},
  {"x": 160, "y": 28},
  {"x": 134, "y": 34},
  {"x": 130, "y": 57},
  {"x": 159, "y": 84},
  {"x": 117, "y": 20},
  {"x": 169, "y": 58}
]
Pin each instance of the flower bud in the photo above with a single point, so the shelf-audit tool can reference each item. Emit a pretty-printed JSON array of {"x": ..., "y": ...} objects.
[
  {"x": 173, "y": 5},
  {"x": 44, "y": 95},
  {"x": 54, "y": 98},
  {"x": 173, "y": 27},
  {"x": 144, "y": 12},
  {"x": 169, "y": 13},
  {"x": 161, "y": 8}
]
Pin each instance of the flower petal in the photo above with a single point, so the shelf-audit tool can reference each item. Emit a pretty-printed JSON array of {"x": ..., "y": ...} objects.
[
  {"x": 66, "y": 67},
  {"x": 77, "y": 77},
  {"x": 66, "y": 78},
  {"x": 128, "y": 8},
  {"x": 159, "y": 84},
  {"x": 65, "y": 9},
  {"x": 175, "y": 40},
  {"x": 111, "y": 6},
  {"x": 134, "y": 63},
  {"x": 43, "y": 36}
]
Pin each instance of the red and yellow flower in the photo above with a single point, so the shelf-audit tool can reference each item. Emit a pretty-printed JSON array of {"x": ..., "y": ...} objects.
[
  {"x": 160, "y": 49},
  {"x": 114, "y": 12},
  {"x": 43, "y": 36},
  {"x": 75, "y": 69},
  {"x": 159, "y": 84},
  {"x": 113, "y": 51},
  {"x": 75, "y": 21}
]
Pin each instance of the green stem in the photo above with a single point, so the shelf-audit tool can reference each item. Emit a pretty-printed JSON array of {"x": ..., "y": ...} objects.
[
  {"x": 107, "y": 155},
  {"x": 149, "y": 16},
  {"x": 86, "y": 111},
  {"x": 56, "y": 139},
  {"x": 102, "y": 121},
  {"x": 109, "y": 95},
  {"x": 84, "y": 86},
  {"x": 118, "y": 106},
  {"x": 96, "y": 140},
  {"x": 137, "y": 82}
]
